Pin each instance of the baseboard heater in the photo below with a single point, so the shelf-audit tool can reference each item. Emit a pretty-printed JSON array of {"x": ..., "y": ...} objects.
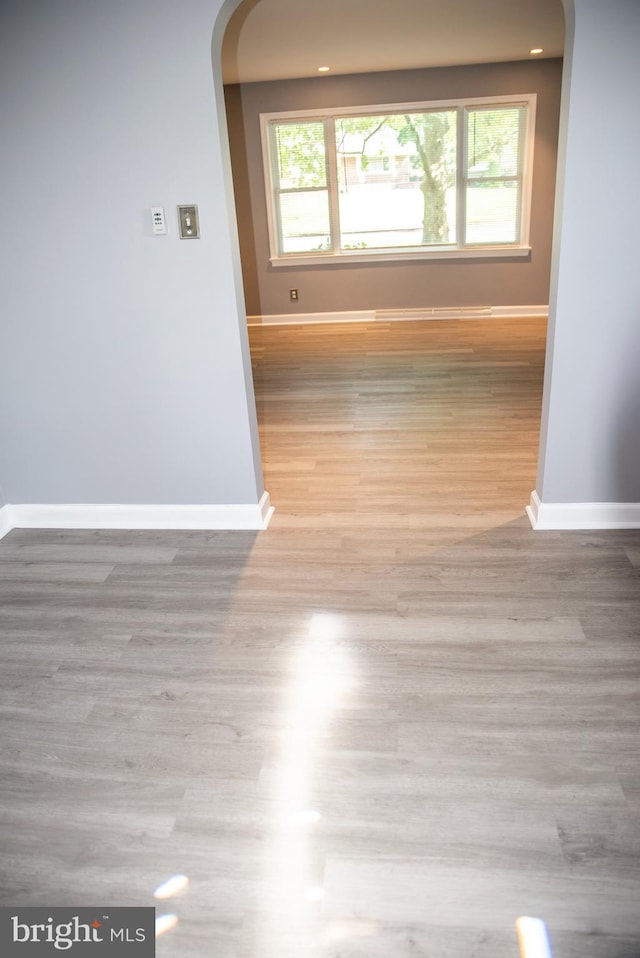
[{"x": 434, "y": 312}]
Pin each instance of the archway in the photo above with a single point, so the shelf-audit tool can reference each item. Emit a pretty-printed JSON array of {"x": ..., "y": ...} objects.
[{"x": 232, "y": 5}]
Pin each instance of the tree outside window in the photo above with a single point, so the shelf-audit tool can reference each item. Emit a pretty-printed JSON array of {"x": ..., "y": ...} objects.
[{"x": 411, "y": 179}]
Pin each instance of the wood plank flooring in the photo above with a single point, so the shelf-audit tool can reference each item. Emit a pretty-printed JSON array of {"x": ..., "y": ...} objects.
[
  {"x": 382, "y": 729},
  {"x": 424, "y": 424}
]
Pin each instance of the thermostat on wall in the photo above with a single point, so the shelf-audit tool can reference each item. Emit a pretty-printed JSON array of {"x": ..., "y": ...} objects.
[{"x": 158, "y": 221}]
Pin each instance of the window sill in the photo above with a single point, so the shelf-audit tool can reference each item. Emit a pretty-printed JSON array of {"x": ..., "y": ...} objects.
[{"x": 400, "y": 256}]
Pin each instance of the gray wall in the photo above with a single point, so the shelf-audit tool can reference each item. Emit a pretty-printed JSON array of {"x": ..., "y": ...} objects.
[
  {"x": 389, "y": 285},
  {"x": 123, "y": 369},
  {"x": 590, "y": 446}
]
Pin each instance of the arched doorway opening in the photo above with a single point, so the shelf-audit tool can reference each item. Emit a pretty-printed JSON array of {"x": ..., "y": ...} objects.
[{"x": 265, "y": 291}]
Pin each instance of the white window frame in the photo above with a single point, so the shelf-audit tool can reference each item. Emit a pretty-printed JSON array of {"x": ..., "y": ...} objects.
[{"x": 521, "y": 248}]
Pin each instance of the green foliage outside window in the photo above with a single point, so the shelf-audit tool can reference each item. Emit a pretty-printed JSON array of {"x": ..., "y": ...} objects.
[{"x": 399, "y": 179}]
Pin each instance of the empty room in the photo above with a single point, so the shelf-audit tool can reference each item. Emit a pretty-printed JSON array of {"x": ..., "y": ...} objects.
[{"x": 320, "y": 478}]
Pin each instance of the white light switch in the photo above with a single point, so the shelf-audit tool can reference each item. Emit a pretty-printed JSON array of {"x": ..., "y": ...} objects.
[
  {"x": 158, "y": 220},
  {"x": 188, "y": 222}
]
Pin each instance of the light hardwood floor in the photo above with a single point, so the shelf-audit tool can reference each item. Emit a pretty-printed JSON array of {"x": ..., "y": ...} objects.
[{"x": 382, "y": 729}]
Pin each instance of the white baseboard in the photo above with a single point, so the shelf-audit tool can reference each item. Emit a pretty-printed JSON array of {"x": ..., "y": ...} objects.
[
  {"x": 545, "y": 516},
  {"x": 82, "y": 516},
  {"x": 520, "y": 312},
  {"x": 394, "y": 315},
  {"x": 5, "y": 521},
  {"x": 284, "y": 319}
]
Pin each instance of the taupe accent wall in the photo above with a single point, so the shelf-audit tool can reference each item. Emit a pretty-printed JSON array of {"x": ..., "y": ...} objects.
[{"x": 347, "y": 286}]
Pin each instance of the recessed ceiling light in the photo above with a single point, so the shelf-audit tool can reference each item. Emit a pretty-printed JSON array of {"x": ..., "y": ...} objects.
[
  {"x": 323, "y": 69},
  {"x": 536, "y": 50}
]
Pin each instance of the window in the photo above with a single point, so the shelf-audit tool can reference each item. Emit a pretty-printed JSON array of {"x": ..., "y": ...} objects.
[{"x": 416, "y": 181}]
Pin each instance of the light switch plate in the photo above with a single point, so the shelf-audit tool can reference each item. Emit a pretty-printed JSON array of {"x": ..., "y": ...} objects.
[{"x": 188, "y": 222}]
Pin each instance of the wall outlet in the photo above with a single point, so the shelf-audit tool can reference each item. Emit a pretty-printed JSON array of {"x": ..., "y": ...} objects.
[{"x": 293, "y": 295}]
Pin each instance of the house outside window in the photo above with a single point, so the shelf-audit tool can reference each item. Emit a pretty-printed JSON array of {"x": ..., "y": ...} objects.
[{"x": 410, "y": 181}]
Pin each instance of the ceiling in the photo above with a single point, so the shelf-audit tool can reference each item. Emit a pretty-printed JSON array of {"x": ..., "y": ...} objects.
[{"x": 283, "y": 39}]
